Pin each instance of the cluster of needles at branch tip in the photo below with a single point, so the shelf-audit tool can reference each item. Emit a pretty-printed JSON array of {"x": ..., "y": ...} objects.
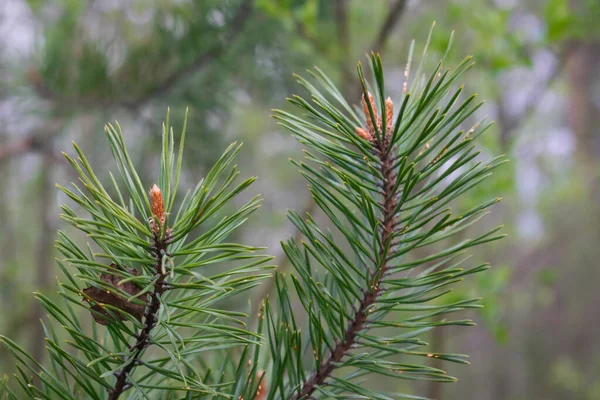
[
  {"x": 158, "y": 248},
  {"x": 380, "y": 147}
]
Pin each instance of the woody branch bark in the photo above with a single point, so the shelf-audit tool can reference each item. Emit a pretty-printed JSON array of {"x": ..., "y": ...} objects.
[
  {"x": 360, "y": 320},
  {"x": 143, "y": 340}
]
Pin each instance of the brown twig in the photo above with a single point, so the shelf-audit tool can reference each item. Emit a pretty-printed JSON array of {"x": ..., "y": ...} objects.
[
  {"x": 359, "y": 321},
  {"x": 160, "y": 242},
  {"x": 143, "y": 337}
]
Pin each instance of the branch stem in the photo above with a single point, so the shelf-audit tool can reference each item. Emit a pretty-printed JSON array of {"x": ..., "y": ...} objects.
[
  {"x": 360, "y": 319},
  {"x": 143, "y": 337}
]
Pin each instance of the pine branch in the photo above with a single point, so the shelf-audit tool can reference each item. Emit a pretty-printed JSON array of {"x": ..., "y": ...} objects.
[
  {"x": 359, "y": 322},
  {"x": 348, "y": 86},
  {"x": 159, "y": 249},
  {"x": 385, "y": 180},
  {"x": 144, "y": 297}
]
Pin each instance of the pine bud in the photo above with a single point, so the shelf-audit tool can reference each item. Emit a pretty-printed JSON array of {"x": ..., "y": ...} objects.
[
  {"x": 370, "y": 125},
  {"x": 157, "y": 207},
  {"x": 363, "y": 134},
  {"x": 157, "y": 203}
]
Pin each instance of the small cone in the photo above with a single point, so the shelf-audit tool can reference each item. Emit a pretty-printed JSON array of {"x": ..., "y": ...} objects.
[{"x": 98, "y": 298}]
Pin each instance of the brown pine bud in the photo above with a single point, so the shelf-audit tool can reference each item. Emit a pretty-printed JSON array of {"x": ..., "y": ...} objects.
[
  {"x": 363, "y": 134},
  {"x": 370, "y": 125},
  {"x": 156, "y": 202},
  {"x": 157, "y": 207}
]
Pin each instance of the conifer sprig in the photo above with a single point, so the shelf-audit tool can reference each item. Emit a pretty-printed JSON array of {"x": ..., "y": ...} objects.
[
  {"x": 142, "y": 305},
  {"x": 153, "y": 283},
  {"x": 386, "y": 181}
]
